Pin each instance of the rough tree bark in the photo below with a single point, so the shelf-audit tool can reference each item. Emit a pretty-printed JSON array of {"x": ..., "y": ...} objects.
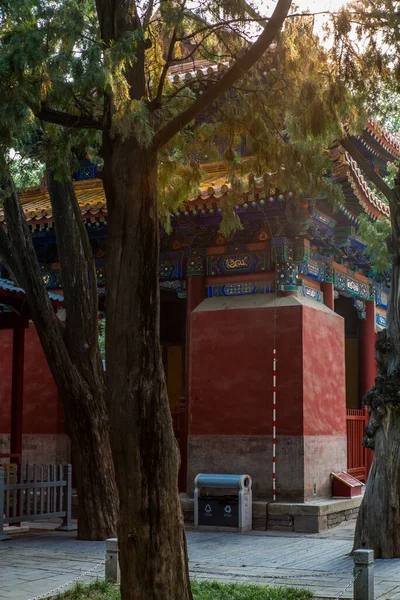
[
  {"x": 378, "y": 523},
  {"x": 71, "y": 350},
  {"x": 151, "y": 533}
]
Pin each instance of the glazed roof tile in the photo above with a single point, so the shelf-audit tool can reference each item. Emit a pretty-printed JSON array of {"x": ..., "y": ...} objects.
[
  {"x": 362, "y": 190},
  {"x": 390, "y": 142},
  {"x": 37, "y": 206},
  {"x": 92, "y": 202},
  {"x": 346, "y": 166},
  {"x": 7, "y": 285}
]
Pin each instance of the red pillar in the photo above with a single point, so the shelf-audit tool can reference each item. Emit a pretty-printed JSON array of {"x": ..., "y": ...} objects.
[
  {"x": 367, "y": 358},
  {"x": 367, "y": 349},
  {"x": 17, "y": 390},
  {"x": 328, "y": 291},
  {"x": 196, "y": 293}
]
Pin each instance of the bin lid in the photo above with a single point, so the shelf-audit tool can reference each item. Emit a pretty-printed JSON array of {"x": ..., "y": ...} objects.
[{"x": 223, "y": 480}]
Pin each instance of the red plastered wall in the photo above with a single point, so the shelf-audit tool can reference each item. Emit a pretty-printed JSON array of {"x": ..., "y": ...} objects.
[
  {"x": 324, "y": 373},
  {"x": 42, "y": 408},
  {"x": 230, "y": 378}
]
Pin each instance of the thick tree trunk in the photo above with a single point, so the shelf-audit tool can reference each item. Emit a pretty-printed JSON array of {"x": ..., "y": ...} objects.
[
  {"x": 151, "y": 533},
  {"x": 378, "y": 523}
]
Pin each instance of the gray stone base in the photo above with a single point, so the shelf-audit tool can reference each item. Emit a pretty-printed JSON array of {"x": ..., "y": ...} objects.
[
  {"x": 40, "y": 448},
  {"x": 187, "y": 505},
  {"x": 15, "y": 530},
  {"x": 305, "y": 463},
  {"x": 312, "y": 517},
  {"x": 307, "y": 517}
]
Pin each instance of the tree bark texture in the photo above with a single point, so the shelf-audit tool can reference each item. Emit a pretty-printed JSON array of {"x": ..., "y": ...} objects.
[
  {"x": 151, "y": 533},
  {"x": 72, "y": 354},
  {"x": 378, "y": 523}
]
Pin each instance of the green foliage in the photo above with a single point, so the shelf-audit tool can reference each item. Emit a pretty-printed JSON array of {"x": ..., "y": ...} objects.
[
  {"x": 286, "y": 110},
  {"x": 375, "y": 234},
  {"x": 102, "y": 338},
  {"x": 212, "y": 590},
  {"x": 26, "y": 172},
  {"x": 366, "y": 52},
  {"x": 202, "y": 590},
  {"x": 392, "y": 173},
  {"x": 98, "y": 590}
]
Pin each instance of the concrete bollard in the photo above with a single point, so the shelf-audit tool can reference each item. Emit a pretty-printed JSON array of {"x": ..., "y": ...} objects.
[
  {"x": 112, "y": 563},
  {"x": 364, "y": 583}
]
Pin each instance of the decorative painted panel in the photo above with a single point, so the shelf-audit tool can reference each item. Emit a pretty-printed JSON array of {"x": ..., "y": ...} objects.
[
  {"x": 314, "y": 269},
  {"x": 322, "y": 218},
  {"x": 351, "y": 286},
  {"x": 312, "y": 293},
  {"x": 170, "y": 268},
  {"x": 196, "y": 262},
  {"x": 301, "y": 250},
  {"x": 101, "y": 276},
  {"x": 381, "y": 320},
  {"x": 240, "y": 289},
  {"x": 87, "y": 170},
  {"x": 237, "y": 263},
  {"x": 286, "y": 276},
  {"x": 245, "y": 262},
  {"x": 381, "y": 296},
  {"x": 51, "y": 278},
  {"x": 281, "y": 250},
  {"x": 329, "y": 273},
  {"x": 359, "y": 305}
]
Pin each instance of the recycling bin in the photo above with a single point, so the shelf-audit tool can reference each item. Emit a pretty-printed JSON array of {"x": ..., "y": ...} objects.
[{"x": 232, "y": 510}]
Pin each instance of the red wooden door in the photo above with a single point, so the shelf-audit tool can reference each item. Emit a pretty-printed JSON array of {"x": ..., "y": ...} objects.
[{"x": 357, "y": 455}]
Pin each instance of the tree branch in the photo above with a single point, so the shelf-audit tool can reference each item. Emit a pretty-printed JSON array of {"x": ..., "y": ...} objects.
[
  {"x": 236, "y": 72},
  {"x": 168, "y": 61},
  {"x": 366, "y": 167},
  {"x": 67, "y": 120},
  {"x": 148, "y": 15},
  {"x": 253, "y": 13},
  {"x": 221, "y": 25}
]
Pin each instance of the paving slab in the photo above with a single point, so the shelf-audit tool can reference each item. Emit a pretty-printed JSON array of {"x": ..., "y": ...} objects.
[{"x": 44, "y": 559}]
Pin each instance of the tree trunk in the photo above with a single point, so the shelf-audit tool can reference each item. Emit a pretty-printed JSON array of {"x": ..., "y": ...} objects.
[
  {"x": 86, "y": 411},
  {"x": 378, "y": 523},
  {"x": 151, "y": 533},
  {"x": 87, "y": 425}
]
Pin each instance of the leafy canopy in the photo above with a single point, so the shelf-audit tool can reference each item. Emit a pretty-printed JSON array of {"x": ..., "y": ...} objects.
[{"x": 55, "y": 71}]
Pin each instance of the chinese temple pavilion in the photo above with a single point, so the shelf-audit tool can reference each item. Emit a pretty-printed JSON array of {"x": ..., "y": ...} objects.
[{"x": 296, "y": 278}]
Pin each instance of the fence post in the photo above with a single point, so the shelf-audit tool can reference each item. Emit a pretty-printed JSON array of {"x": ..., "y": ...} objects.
[
  {"x": 3, "y": 536},
  {"x": 364, "y": 568},
  {"x": 67, "y": 502},
  {"x": 112, "y": 572}
]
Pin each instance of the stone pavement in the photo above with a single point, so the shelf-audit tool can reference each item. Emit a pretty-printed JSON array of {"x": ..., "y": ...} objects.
[{"x": 45, "y": 559}]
